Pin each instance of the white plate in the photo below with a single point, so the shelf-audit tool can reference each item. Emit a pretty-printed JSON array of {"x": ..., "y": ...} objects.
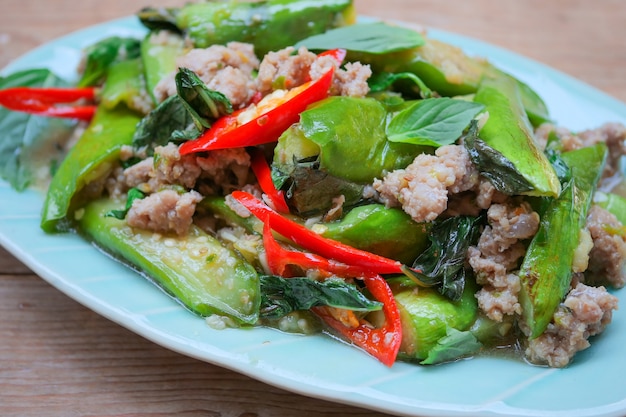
[{"x": 318, "y": 366}]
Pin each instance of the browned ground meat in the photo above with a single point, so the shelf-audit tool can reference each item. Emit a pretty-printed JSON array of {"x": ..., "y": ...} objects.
[
  {"x": 227, "y": 69},
  {"x": 422, "y": 188},
  {"x": 218, "y": 171},
  {"x": 613, "y": 134},
  {"x": 351, "y": 81},
  {"x": 166, "y": 211},
  {"x": 497, "y": 254},
  {"x": 284, "y": 69},
  {"x": 607, "y": 259},
  {"x": 471, "y": 203},
  {"x": 585, "y": 312},
  {"x": 292, "y": 69},
  {"x": 170, "y": 169},
  {"x": 224, "y": 170}
]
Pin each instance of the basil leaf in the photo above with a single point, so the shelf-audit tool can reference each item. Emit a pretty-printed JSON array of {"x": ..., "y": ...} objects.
[
  {"x": 442, "y": 264},
  {"x": 100, "y": 56},
  {"x": 30, "y": 142},
  {"x": 499, "y": 170},
  {"x": 384, "y": 80},
  {"x": 433, "y": 122},
  {"x": 133, "y": 194},
  {"x": 205, "y": 105},
  {"x": 169, "y": 122},
  {"x": 280, "y": 296},
  {"x": 311, "y": 191},
  {"x": 373, "y": 38},
  {"x": 455, "y": 344}
]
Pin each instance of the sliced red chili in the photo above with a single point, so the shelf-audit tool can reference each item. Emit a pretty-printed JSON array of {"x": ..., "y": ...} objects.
[
  {"x": 267, "y": 126},
  {"x": 381, "y": 342},
  {"x": 51, "y": 101},
  {"x": 263, "y": 174},
  {"x": 316, "y": 243},
  {"x": 339, "y": 54},
  {"x": 280, "y": 259}
]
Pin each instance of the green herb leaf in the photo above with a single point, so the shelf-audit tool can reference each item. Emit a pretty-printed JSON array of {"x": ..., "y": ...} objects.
[
  {"x": 384, "y": 80},
  {"x": 102, "y": 54},
  {"x": 169, "y": 122},
  {"x": 494, "y": 166},
  {"x": 311, "y": 191},
  {"x": 433, "y": 122},
  {"x": 203, "y": 104},
  {"x": 29, "y": 142},
  {"x": 373, "y": 38},
  {"x": 133, "y": 194},
  {"x": 280, "y": 296},
  {"x": 442, "y": 264},
  {"x": 454, "y": 345}
]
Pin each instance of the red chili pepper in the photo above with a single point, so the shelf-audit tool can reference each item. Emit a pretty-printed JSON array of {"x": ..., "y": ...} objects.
[
  {"x": 271, "y": 121},
  {"x": 316, "y": 243},
  {"x": 280, "y": 259},
  {"x": 49, "y": 101},
  {"x": 339, "y": 54},
  {"x": 383, "y": 342},
  {"x": 264, "y": 176}
]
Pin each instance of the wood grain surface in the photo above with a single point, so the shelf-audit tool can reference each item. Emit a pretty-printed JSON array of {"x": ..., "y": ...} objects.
[{"x": 57, "y": 358}]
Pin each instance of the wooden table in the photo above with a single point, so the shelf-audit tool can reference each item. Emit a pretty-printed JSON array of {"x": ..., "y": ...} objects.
[{"x": 58, "y": 358}]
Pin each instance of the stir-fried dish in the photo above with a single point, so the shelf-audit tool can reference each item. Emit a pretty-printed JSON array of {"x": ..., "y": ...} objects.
[{"x": 280, "y": 164}]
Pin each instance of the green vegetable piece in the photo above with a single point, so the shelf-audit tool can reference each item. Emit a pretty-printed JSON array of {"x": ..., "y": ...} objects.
[
  {"x": 125, "y": 84},
  {"x": 373, "y": 38},
  {"x": 348, "y": 129},
  {"x": 196, "y": 269},
  {"x": 159, "y": 52},
  {"x": 385, "y": 231},
  {"x": 271, "y": 25},
  {"x": 205, "y": 105},
  {"x": 281, "y": 296},
  {"x": 546, "y": 271},
  {"x": 533, "y": 104},
  {"x": 93, "y": 157},
  {"x": 494, "y": 333},
  {"x": 428, "y": 317},
  {"x": 101, "y": 55},
  {"x": 614, "y": 203},
  {"x": 508, "y": 131},
  {"x": 159, "y": 18},
  {"x": 442, "y": 67},
  {"x": 500, "y": 171},
  {"x": 432, "y": 122},
  {"x": 447, "y": 70},
  {"x": 218, "y": 207},
  {"x": 30, "y": 142}
]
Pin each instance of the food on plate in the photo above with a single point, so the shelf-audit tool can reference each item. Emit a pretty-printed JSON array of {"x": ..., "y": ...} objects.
[{"x": 280, "y": 164}]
